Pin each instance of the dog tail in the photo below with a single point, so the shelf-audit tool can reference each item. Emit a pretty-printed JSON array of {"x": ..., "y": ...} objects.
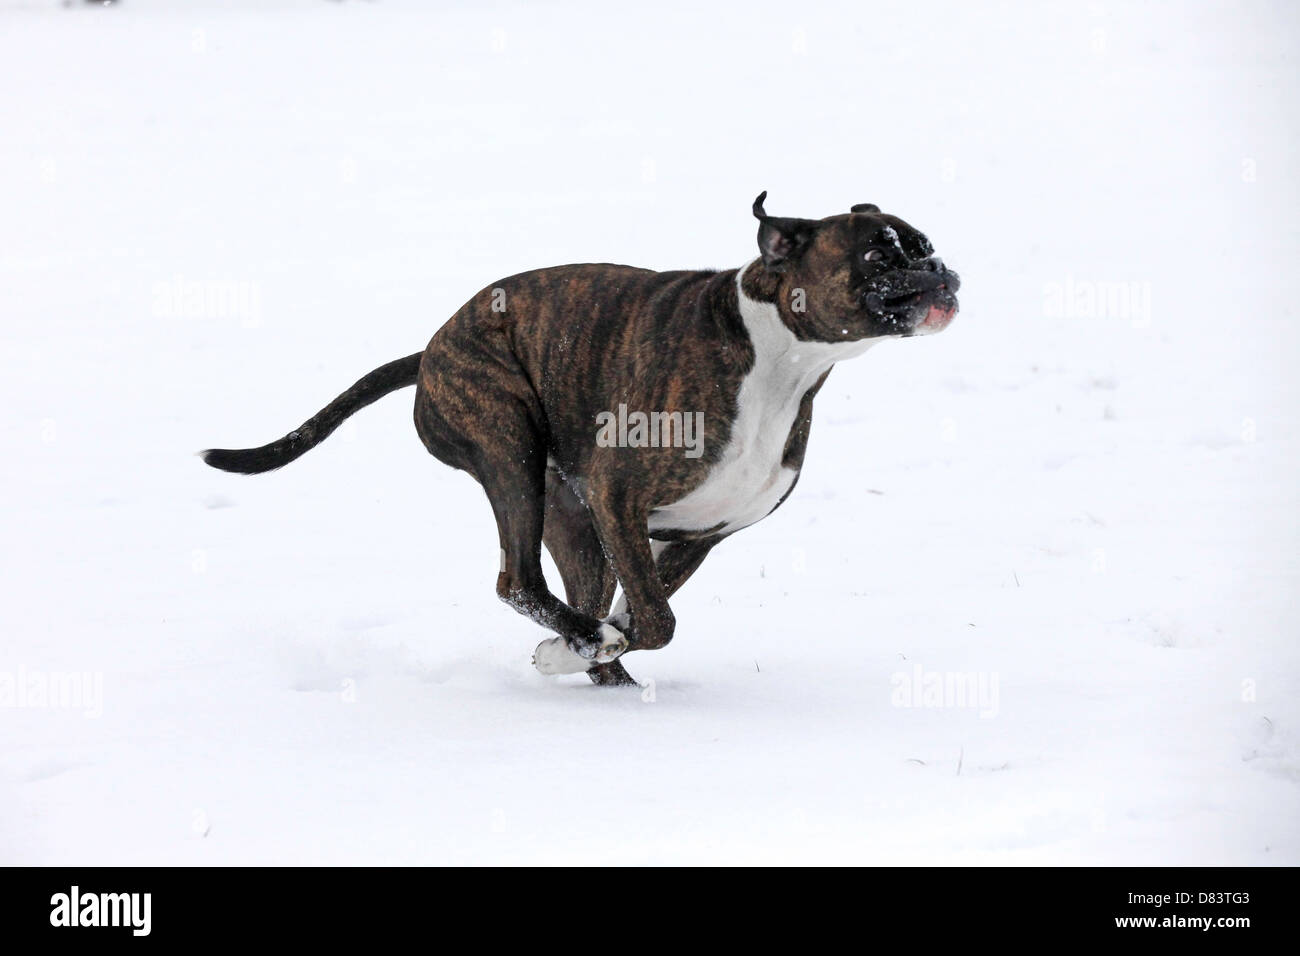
[{"x": 371, "y": 388}]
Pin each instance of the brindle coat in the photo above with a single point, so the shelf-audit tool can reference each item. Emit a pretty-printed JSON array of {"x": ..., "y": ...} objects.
[{"x": 509, "y": 390}]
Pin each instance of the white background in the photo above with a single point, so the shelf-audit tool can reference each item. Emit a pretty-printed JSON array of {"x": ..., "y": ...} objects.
[{"x": 1095, "y": 507}]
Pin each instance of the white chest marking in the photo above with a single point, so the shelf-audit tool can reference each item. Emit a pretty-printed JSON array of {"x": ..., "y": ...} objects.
[{"x": 749, "y": 480}]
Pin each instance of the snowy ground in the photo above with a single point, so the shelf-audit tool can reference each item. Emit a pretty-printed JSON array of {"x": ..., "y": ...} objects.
[{"x": 1086, "y": 500}]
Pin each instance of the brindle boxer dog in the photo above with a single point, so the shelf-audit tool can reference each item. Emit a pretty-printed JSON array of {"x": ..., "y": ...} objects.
[{"x": 512, "y": 388}]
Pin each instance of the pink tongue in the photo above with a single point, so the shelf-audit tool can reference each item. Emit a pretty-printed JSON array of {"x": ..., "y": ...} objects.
[{"x": 937, "y": 318}]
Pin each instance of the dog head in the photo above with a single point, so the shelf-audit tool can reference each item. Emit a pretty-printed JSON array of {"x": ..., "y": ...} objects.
[{"x": 863, "y": 275}]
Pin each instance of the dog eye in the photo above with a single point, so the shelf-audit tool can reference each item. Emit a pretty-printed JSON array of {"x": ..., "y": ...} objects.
[{"x": 873, "y": 255}]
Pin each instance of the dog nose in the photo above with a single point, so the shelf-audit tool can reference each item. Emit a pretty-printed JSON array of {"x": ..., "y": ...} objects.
[
  {"x": 950, "y": 280},
  {"x": 940, "y": 275}
]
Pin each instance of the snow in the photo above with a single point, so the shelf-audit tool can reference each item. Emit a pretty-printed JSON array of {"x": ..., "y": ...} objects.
[{"x": 1033, "y": 600}]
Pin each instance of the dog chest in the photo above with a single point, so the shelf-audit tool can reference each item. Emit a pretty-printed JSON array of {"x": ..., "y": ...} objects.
[{"x": 748, "y": 480}]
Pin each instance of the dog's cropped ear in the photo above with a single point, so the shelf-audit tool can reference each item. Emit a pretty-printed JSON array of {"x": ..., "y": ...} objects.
[
  {"x": 866, "y": 207},
  {"x": 780, "y": 240}
]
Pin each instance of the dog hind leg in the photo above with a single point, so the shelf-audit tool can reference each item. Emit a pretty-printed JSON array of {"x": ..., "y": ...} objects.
[{"x": 515, "y": 484}]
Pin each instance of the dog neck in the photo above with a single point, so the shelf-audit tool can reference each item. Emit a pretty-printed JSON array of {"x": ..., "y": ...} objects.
[{"x": 778, "y": 352}]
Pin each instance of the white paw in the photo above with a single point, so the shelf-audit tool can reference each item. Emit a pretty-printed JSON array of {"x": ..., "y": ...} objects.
[
  {"x": 612, "y": 644},
  {"x": 556, "y": 657}
]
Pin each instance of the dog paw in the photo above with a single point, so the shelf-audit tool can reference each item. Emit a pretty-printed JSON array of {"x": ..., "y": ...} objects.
[
  {"x": 613, "y": 642},
  {"x": 557, "y": 657},
  {"x": 554, "y": 657}
]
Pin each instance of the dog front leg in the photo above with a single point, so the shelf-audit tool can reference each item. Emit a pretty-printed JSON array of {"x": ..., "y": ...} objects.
[
  {"x": 588, "y": 579},
  {"x": 622, "y": 530}
]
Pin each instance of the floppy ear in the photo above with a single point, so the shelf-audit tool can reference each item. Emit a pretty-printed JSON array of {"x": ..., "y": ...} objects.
[
  {"x": 779, "y": 239},
  {"x": 866, "y": 207}
]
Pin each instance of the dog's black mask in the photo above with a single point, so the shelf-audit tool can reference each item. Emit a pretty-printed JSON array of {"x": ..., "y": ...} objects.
[{"x": 905, "y": 286}]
